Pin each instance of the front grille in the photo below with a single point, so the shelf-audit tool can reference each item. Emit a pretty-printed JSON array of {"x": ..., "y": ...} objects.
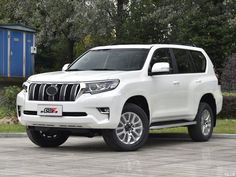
[{"x": 65, "y": 92}]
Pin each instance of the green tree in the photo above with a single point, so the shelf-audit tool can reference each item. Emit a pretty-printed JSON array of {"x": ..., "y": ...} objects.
[
  {"x": 66, "y": 28},
  {"x": 206, "y": 23}
]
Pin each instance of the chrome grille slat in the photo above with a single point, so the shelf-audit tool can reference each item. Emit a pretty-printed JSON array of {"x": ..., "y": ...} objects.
[
  {"x": 62, "y": 92},
  {"x": 73, "y": 92},
  {"x": 41, "y": 92},
  {"x": 66, "y": 92},
  {"x": 76, "y": 92},
  {"x": 33, "y": 90}
]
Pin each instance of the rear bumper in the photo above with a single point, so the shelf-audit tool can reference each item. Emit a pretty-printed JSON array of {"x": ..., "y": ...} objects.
[
  {"x": 219, "y": 100},
  {"x": 86, "y": 103}
]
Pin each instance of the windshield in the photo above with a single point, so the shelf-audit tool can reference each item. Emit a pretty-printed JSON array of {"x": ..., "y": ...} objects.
[{"x": 111, "y": 59}]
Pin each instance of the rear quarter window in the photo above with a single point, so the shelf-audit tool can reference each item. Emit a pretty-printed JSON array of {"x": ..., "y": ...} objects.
[
  {"x": 199, "y": 61},
  {"x": 183, "y": 61}
]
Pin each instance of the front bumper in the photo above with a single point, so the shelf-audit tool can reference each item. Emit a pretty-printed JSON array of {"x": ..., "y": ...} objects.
[{"x": 86, "y": 103}]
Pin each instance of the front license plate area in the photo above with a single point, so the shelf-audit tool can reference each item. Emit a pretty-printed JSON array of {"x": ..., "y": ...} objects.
[{"x": 49, "y": 110}]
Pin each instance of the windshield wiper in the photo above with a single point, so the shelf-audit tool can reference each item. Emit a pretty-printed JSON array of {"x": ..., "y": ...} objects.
[
  {"x": 103, "y": 69},
  {"x": 95, "y": 69},
  {"x": 74, "y": 70}
]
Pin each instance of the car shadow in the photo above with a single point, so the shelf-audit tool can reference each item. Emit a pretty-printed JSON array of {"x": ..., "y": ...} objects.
[
  {"x": 166, "y": 139},
  {"x": 99, "y": 146}
]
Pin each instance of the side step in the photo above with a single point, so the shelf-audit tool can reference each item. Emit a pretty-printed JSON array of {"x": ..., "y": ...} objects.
[{"x": 169, "y": 124}]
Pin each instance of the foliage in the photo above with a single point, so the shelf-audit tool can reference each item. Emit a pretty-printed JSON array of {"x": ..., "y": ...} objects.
[
  {"x": 4, "y": 112},
  {"x": 229, "y": 106},
  {"x": 66, "y": 28},
  {"x": 229, "y": 74},
  {"x": 229, "y": 93},
  {"x": 9, "y": 93},
  {"x": 206, "y": 24}
]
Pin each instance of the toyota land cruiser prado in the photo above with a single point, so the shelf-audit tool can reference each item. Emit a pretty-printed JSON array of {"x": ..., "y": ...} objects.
[{"x": 121, "y": 92}]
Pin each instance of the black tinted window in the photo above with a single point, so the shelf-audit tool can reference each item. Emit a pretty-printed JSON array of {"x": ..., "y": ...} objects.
[
  {"x": 161, "y": 55},
  {"x": 183, "y": 61},
  {"x": 199, "y": 61},
  {"x": 111, "y": 59}
]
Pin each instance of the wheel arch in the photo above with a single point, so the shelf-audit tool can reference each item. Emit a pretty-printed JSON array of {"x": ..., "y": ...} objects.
[
  {"x": 140, "y": 101},
  {"x": 209, "y": 99}
]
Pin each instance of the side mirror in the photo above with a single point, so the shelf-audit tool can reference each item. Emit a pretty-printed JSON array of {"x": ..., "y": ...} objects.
[
  {"x": 65, "y": 67},
  {"x": 161, "y": 67}
]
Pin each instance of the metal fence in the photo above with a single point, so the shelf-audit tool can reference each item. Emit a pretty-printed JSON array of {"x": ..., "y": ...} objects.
[{"x": 2, "y": 100}]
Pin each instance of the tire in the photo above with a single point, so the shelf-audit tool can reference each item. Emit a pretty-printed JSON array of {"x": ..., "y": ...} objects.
[
  {"x": 202, "y": 131},
  {"x": 47, "y": 138},
  {"x": 132, "y": 131}
]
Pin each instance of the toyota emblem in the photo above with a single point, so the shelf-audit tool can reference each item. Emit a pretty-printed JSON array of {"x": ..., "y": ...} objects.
[{"x": 52, "y": 90}]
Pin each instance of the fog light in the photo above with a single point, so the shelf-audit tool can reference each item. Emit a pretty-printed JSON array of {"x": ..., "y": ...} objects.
[{"x": 104, "y": 110}]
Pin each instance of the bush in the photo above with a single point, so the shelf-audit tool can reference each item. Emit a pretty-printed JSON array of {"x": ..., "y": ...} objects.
[
  {"x": 3, "y": 112},
  {"x": 8, "y": 97},
  {"x": 229, "y": 107},
  {"x": 228, "y": 77}
]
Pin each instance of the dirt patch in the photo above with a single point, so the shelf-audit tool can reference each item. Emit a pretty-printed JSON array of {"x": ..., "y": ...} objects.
[{"x": 9, "y": 120}]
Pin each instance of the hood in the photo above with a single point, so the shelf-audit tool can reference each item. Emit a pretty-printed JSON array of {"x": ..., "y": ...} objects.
[{"x": 74, "y": 76}]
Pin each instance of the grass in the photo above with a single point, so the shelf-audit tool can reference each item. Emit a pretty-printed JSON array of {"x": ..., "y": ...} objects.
[
  {"x": 227, "y": 126},
  {"x": 5, "y": 112},
  {"x": 16, "y": 128},
  {"x": 233, "y": 93}
]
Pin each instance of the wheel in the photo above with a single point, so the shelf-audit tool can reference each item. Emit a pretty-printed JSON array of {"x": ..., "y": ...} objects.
[
  {"x": 47, "y": 138},
  {"x": 202, "y": 131},
  {"x": 131, "y": 132}
]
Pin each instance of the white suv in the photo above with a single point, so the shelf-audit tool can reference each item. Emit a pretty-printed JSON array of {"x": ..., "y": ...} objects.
[{"x": 120, "y": 92}]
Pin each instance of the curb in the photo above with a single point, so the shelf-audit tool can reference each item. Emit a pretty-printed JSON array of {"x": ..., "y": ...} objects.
[
  {"x": 215, "y": 136},
  {"x": 13, "y": 135},
  {"x": 226, "y": 136},
  {"x": 184, "y": 135}
]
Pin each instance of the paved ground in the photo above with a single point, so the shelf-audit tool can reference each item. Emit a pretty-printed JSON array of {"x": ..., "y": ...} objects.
[{"x": 161, "y": 156}]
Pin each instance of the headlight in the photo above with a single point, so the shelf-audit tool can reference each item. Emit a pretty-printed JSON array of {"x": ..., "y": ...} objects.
[
  {"x": 101, "y": 86},
  {"x": 25, "y": 86}
]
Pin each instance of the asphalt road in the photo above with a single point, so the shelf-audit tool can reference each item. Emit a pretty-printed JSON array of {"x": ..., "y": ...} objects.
[{"x": 161, "y": 156}]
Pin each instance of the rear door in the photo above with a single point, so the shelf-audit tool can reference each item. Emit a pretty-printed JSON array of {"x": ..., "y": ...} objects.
[
  {"x": 167, "y": 91},
  {"x": 188, "y": 80}
]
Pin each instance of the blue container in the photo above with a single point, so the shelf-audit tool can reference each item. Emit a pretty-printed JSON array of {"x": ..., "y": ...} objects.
[{"x": 17, "y": 49}]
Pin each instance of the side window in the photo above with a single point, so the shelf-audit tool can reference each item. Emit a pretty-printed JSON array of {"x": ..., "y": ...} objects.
[
  {"x": 161, "y": 55},
  {"x": 183, "y": 61},
  {"x": 199, "y": 61}
]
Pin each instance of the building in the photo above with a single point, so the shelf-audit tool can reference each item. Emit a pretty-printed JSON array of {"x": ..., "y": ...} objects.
[{"x": 17, "y": 49}]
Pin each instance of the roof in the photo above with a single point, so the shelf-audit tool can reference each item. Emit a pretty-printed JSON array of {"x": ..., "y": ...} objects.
[
  {"x": 145, "y": 46},
  {"x": 18, "y": 27},
  {"x": 134, "y": 46}
]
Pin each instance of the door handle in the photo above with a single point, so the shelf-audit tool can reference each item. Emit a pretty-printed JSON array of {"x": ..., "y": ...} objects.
[
  {"x": 198, "y": 81},
  {"x": 176, "y": 82}
]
